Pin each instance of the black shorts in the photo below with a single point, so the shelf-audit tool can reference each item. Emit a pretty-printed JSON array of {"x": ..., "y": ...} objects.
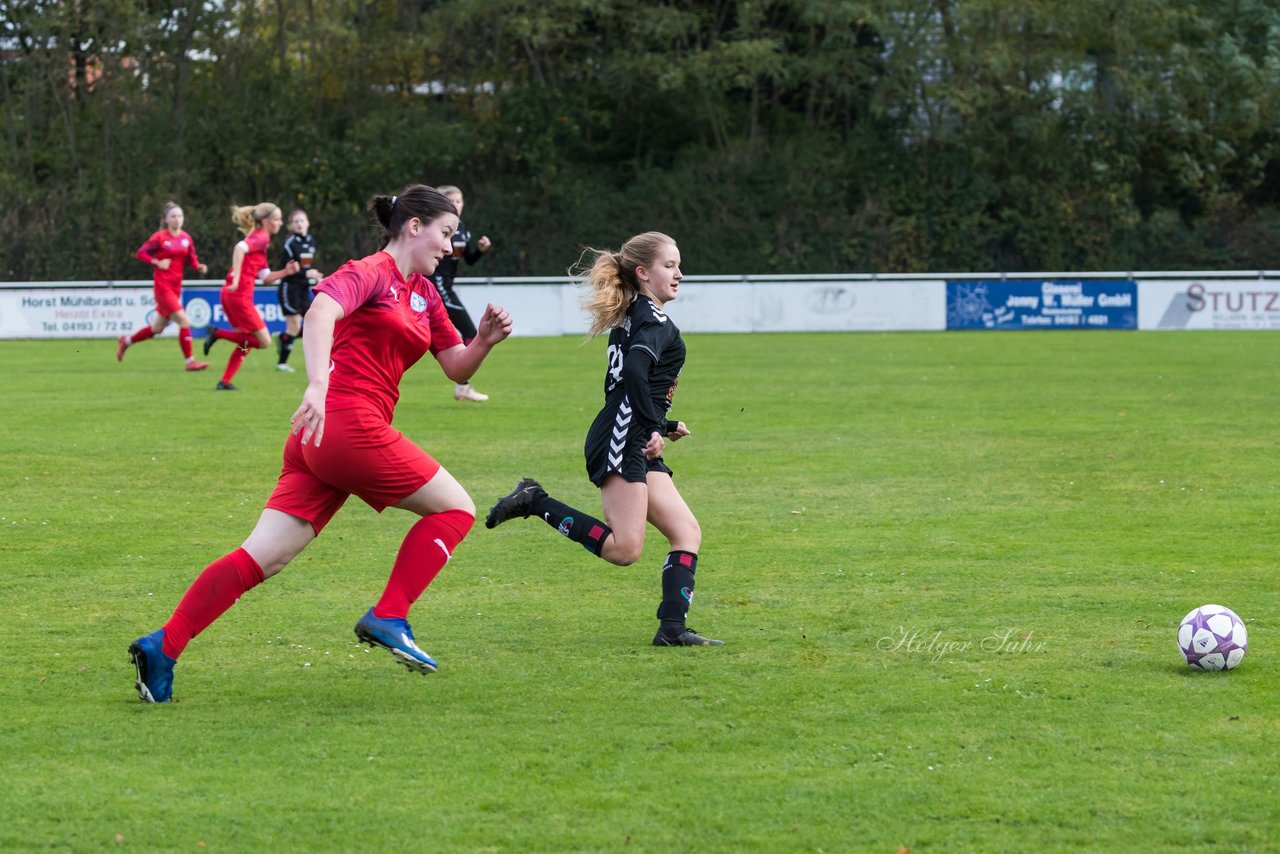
[
  {"x": 295, "y": 297},
  {"x": 615, "y": 445}
]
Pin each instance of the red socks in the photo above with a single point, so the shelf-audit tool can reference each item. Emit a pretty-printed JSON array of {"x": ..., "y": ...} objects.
[
  {"x": 244, "y": 341},
  {"x": 425, "y": 550},
  {"x": 234, "y": 361},
  {"x": 208, "y": 598},
  {"x": 141, "y": 335},
  {"x": 233, "y": 335},
  {"x": 184, "y": 341}
]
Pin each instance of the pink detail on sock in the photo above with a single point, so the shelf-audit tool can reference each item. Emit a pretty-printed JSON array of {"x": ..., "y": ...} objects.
[
  {"x": 686, "y": 559},
  {"x": 595, "y": 533}
]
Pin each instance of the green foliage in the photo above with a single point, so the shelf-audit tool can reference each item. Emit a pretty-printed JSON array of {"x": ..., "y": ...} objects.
[
  {"x": 948, "y": 567},
  {"x": 780, "y": 136}
]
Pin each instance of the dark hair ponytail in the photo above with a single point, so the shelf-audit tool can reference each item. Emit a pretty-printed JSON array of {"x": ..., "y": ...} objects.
[{"x": 416, "y": 201}]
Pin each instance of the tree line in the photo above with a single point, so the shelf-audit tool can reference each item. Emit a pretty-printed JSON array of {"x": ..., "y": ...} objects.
[{"x": 791, "y": 136}]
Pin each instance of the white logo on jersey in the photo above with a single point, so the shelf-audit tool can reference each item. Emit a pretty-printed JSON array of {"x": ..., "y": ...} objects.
[
  {"x": 417, "y": 302},
  {"x": 185, "y": 243},
  {"x": 615, "y": 362}
]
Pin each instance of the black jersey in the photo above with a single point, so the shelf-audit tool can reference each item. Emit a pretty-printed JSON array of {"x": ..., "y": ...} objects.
[
  {"x": 447, "y": 269},
  {"x": 646, "y": 354},
  {"x": 295, "y": 246}
]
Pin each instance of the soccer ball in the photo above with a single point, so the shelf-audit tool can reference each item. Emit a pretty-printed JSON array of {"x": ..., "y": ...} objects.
[{"x": 1212, "y": 637}]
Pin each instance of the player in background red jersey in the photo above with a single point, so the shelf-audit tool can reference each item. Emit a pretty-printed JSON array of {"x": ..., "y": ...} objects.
[
  {"x": 371, "y": 321},
  {"x": 248, "y": 264},
  {"x": 169, "y": 252}
]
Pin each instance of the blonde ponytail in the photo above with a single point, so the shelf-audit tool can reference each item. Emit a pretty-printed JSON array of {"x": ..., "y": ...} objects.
[
  {"x": 611, "y": 277},
  {"x": 247, "y": 217}
]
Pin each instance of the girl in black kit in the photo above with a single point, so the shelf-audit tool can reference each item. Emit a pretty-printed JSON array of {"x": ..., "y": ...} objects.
[
  {"x": 294, "y": 292},
  {"x": 629, "y": 290},
  {"x": 443, "y": 278}
]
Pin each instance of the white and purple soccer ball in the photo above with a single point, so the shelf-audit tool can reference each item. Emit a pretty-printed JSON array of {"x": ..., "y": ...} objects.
[{"x": 1212, "y": 637}]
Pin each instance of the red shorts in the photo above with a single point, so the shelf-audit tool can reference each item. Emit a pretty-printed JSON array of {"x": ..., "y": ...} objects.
[
  {"x": 168, "y": 300},
  {"x": 361, "y": 455},
  {"x": 242, "y": 315}
]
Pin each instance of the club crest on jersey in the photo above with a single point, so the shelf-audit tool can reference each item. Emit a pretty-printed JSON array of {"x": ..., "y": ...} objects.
[{"x": 417, "y": 302}]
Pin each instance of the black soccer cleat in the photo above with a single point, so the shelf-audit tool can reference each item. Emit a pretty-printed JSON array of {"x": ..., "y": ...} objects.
[
  {"x": 687, "y": 637},
  {"x": 517, "y": 502},
  {"x": 221, "y": 386},
  {"x": 210, "y": 338}
]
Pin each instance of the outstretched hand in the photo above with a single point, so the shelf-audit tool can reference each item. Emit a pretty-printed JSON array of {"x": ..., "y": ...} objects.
[{"x": 495, "y": 325}]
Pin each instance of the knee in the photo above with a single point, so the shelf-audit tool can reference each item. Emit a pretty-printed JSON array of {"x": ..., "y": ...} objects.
[
  {"x": 464, "y": 504},
  {"x": 694, "y": 535},
  {"x": 622, "y": 552},
  {"x": 686, "y": 536}
]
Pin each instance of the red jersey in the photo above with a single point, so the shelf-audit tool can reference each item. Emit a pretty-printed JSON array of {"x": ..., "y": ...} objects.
[
  {"x": 179, "y": 248},
  {"x": 255, "y": 260},
  {"x": 389, "y": 324}
]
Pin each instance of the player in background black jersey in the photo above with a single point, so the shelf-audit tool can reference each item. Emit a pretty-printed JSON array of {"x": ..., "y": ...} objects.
[
  {"x": 294, "y": 292},
  {"x": 629, "y": 291},
  {"x": 442, "y": 278}
]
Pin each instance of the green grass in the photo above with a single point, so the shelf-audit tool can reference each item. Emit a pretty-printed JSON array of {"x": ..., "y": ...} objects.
[{"x": 1077, "y": 491}]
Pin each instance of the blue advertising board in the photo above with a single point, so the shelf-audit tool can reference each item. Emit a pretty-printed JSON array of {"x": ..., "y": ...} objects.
[
  {"x": 1042, "y": 304},
  {"x": 204, "y": 307}
]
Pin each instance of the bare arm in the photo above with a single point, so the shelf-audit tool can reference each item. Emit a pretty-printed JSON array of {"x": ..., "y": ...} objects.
[
  {"x": 237, "y": 261},
  {"x": 317, "y": 343},
  {"x": 460, "y": 363},
  {"x": 273, "y": 276}
]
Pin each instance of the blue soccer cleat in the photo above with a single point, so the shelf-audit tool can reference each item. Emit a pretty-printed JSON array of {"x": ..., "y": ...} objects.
[
  {"x": 395, "y": 636},
  {"x": 155, "y": 669}
]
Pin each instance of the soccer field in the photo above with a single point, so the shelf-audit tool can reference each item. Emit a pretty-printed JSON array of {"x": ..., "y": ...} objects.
[{"x": 948, "y": 568}]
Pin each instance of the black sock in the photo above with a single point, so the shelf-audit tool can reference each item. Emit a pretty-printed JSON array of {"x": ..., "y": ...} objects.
[
  {"x": 677, "y": 590},
  {"x": 579, "y": 527},
  {"x": 286, "y": 346}
]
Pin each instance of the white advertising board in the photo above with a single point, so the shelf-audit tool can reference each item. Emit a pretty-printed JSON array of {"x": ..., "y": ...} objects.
[
  {"x": 74, "y": 313},
  {"x": 1209, "y": 304},
  {"x": 849, "y": 306}
]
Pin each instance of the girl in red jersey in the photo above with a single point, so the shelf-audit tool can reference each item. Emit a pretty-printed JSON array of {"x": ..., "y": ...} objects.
[
  {"x": 169, "y": 252},
  {"x": 371, "y": 321},
  {"x": 248, "y": 264}
]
